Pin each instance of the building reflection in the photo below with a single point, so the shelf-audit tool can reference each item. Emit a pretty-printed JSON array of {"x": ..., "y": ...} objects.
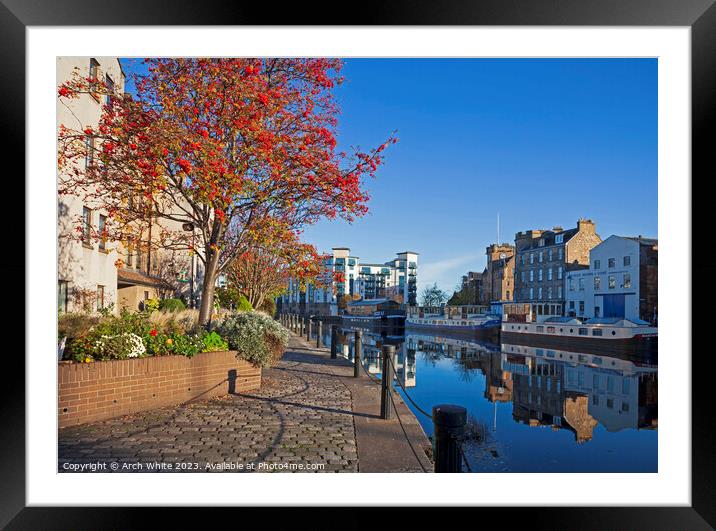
[{"x": 553, "y": 388}]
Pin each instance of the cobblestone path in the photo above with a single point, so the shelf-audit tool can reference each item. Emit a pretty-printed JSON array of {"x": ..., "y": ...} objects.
[{"x": 301, "y": 416}]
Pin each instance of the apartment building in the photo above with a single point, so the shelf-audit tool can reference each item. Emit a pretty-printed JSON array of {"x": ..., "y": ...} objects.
[
  {"x": 343, "y": 274},
  {"x": 498, "y": 277},
  {"x": 620, "y": 282},
  {"x": 95, "y": 274},
  {"x": 542, "y": 260}
]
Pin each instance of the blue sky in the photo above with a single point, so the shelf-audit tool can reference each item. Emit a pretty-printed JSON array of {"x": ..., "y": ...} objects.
[{"x": 541, "y": 141}]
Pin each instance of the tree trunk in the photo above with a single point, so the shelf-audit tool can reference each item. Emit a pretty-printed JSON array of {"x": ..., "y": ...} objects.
[{"x": 207, "y": 289}]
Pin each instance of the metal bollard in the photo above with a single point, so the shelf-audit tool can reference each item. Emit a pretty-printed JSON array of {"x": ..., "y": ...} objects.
[
  {"x": 334, "y": 342},
  {"x": 449, "y": 426},
  {"x": 308, "y": 328},
  {"x": 319, "y": 331},
  {"x": 357, "y": 347},
  {"x": 386, "y": 400}
]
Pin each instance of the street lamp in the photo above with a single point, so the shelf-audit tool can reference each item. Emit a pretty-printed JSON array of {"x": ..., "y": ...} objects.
[{"x": 190, "y": 227}]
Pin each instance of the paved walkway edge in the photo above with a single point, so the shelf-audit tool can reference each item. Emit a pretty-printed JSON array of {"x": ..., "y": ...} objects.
[{"x": 382, "y": 445}]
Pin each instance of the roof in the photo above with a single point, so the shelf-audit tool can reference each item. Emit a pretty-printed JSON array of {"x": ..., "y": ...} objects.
[
  {"x": 617, "y": 321},
  {"x": 563, "y": 320},
  {"x": 641, "y": 240},
  {"x": 130, "y": 276}
]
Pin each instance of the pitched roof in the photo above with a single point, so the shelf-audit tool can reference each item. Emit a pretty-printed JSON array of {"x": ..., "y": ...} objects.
[{"x": 131, "y": 276}]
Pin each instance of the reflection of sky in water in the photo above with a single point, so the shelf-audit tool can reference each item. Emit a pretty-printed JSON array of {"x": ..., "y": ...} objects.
[{"x": 606, "y": 426}]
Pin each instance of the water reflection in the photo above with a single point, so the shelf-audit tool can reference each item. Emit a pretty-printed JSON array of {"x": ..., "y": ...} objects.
[{"x": 604, "y": 404}]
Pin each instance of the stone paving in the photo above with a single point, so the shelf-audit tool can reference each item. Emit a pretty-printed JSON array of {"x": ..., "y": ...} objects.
[{"x": 301, "y": 416}]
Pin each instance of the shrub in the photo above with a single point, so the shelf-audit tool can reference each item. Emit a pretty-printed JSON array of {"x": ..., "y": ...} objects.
[
  {"x": 243, "y": 305},
  {"x": 73, "y": 325},
  {"x": 150, "y": 305},
  {"x": 120, "y": 347},
  {"x": 212, "y": 342},
  {"x": 171, "y": 305},
  {"x": 255, "y": 336},
  {"x": 268, "y": 306}
]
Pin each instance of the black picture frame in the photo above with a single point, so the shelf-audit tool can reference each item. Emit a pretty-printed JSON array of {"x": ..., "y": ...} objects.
[{"x": 699, "y": 15}]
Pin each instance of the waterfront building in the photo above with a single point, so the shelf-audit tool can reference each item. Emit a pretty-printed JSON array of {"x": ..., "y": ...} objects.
[
  {"x": 94, "y": 274},
  {"x": 620, "y": 282},
  {"x": 498, "y": 277},
  {"x": 344, "y": 277},
  {"x": 542, "y": 260}
]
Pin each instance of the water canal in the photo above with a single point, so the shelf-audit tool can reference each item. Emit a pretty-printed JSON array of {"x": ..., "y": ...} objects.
[{"x": 534, "y": 409}]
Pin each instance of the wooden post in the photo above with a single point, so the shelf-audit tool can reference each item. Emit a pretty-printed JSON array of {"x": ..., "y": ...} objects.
[
  {"x": 386, "y": 400},
  {"x": 319, "y": 331},
  {"x": 449, "y": 426},
  {"x": 357, "y": 347},
  {"x": 308, "y": 328}
]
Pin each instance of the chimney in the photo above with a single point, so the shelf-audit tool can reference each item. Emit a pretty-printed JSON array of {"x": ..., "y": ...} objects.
[{"x": 586, "y": 225}]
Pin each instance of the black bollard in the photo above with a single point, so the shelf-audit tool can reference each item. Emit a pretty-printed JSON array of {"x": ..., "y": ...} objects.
[
  {"x": 357, "y": 347},
  {"x": 308, "y": 328},
  {"x": 334, "y": 342},
  {"x": 386, "y": 400},
  {"x": 319, "y": 331},
  {"x": 449, "y": 426}
]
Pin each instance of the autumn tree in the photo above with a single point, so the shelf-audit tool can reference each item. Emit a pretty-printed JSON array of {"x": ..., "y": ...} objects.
[
  {"x": 270, "y": 258},
  {"x": 221, "y": 144}
]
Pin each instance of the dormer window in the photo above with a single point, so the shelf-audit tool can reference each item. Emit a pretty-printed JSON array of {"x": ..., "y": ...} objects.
[{"x": 559, "y": 238}]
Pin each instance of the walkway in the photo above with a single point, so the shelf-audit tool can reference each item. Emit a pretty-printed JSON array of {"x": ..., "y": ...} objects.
[{"x": 310, "y": 414}]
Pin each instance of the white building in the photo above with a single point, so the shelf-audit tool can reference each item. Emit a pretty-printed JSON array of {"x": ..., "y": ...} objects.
[
  {"x": 343, "y": 274},
  {"x": 620, "y": 281}
]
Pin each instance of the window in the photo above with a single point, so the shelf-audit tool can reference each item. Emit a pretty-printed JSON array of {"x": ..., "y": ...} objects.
[
  {"x": 625, "y": 407},
  {"x": 549, "y": 293},
  {"x": 595, "y": 382},
  {"x": 86, "y": 225},
  {"x": 94, "y": 75},
  {"x": 100, "y": 229},
  {"x": 532, "y": 275},
  {"x": 522, "y": 276},
  {"x": 559, "y": 238},
  {"x": 508, "y": 295},
  {"x": 595, "y": 400},
  {"x": 581, "y": 284},
  {"x": 539, "y": 293},
  {"x": 627, "y": 280},
  {"x": 597, "y": 264},
  {"x": 625, "y": 386},
  {"x": 612, "y": 263},
  {"x": 596, "y": 311},
  {"x": 597, "y": 282},
  {"x": 549, "y": 255},
  {"x": 541, "y": 257},
  {"x": 539, "y": 328},
  {"x": 539, "y": 275},
  {"x": 597, "y": 332},
  {"x": 583, "y": 332},
  {"x": 571, "y": 284},
  {"x": 100, "y": 297},
  {"x": 549, "y": 273},
  {"x": 581, "y": 307},
  {"x": 612, "y": 282},
  {"x": 532, "y": 258},
  {"x": 89, "y": 151},
  {"x": 610, "y": 403},
  {"x": 532, "y": 293},
  {"x": 627, "y": 261},
  {"x": 571, "y": 305},
  {"x": 110, "y": 89},
  {"x": 561, "y": 253},
  {"x": 559, "y": 273},
  {"x": 559, "y": 292},
  {"x": 63, "y": 295}
]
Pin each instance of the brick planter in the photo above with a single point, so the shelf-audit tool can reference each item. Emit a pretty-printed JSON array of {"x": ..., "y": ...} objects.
[{"x": 101, "y": 390}]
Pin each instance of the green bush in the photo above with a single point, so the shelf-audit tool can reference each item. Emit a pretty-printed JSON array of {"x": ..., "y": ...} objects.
[
  {"x": 243, "y": 305},
  {"x": 151, "y": 305},
  {"x": 171, "y": 305},
  {"x": 212, "y": 342},
  {"x": 255, "y": 336}
]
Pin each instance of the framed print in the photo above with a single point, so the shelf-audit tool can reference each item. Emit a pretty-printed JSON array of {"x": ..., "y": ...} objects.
[{"x": 410, "y": 261}]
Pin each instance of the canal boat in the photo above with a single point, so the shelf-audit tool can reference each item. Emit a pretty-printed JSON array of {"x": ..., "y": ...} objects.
[
  {"x": 461, "y": 319},
  {"x": 596, "y": 334}
]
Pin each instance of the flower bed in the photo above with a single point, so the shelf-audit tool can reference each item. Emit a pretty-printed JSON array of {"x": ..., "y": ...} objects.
[{"x": 86, "y": 338}]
